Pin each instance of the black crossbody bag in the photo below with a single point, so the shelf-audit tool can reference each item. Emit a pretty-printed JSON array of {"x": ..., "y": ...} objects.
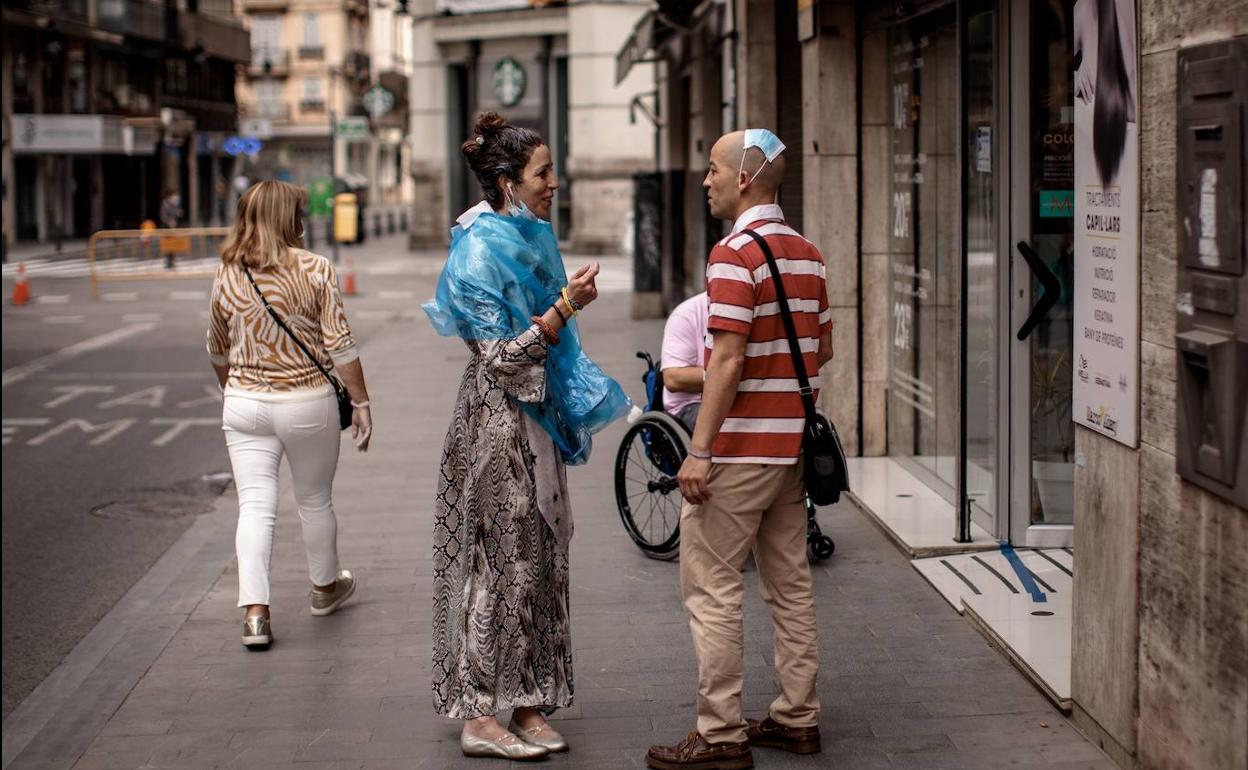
[
  {"x": 340, "y": 391},
  {"x": 826, "y": 472}
]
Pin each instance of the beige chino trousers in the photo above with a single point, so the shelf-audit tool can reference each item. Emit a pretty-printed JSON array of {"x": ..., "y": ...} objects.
[{"x": 759, "y": 507}]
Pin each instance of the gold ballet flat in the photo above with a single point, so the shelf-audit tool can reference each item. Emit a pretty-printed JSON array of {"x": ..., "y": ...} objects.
[
  {"x": 507, "y": 747},
  {"x": 543, "y": 735}
]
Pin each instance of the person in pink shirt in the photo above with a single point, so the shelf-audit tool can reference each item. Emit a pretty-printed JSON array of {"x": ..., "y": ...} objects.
[{"x": 684, "y": 357}]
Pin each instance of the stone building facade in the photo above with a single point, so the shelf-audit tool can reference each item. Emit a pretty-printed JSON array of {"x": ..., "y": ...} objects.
[
  {"x": 310, "y": 60},
  {"x": 547, "y": 66},
  {"x": 95, "y": 92},
  {"x": 931, "y": 150}
]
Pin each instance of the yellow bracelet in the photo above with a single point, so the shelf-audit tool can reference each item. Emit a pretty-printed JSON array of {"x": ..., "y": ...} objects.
[{"x": 567, "y": 300}]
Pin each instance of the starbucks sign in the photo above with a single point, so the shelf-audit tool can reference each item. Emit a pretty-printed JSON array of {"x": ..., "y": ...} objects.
[{"x": 509, "y": 81}]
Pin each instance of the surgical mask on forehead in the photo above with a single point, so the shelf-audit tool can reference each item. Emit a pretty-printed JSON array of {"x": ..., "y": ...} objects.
[{"x": 764, "y": 140}]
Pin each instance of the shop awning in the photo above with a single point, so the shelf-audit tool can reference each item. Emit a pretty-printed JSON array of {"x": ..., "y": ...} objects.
[
  {"x": 640, "y": 42},
  {"x": 81, "y": 135},
  {"x": 653, "y": 32}
]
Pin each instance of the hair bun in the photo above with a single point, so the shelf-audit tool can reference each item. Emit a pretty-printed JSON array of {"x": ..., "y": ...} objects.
[{"x": 489, "y": 124}]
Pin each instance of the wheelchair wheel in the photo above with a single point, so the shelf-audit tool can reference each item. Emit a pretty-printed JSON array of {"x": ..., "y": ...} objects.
[{"x": 646, "y": 490}]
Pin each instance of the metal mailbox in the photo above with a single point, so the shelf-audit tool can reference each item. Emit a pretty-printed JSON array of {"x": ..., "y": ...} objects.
[{"x": 1212, "y": 311}]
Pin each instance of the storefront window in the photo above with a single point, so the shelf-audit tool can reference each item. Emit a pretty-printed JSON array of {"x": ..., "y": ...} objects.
[
  {"x": 1051, "y": 200},
  {"x": 981, "y": 156},
  {"x": 924, "y": 244}
]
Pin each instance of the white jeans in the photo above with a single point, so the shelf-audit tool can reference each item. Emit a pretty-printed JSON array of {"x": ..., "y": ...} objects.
[{"x": 257, "y": 433}]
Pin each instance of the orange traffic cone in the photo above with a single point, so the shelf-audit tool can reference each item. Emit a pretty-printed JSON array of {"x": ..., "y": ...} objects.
[
  {"x": 21, "y": 289},
  {"x": 348, "y": 278}
]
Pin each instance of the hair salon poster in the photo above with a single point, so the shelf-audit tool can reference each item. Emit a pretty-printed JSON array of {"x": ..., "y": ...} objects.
[{"x": 1107, "y": 220}]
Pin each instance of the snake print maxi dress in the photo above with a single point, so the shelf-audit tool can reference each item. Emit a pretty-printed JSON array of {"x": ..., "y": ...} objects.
[{"x": 501, "y": 637}]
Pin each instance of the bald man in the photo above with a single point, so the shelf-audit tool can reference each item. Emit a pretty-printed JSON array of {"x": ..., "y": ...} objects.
[{"x": 742, "y": 481}]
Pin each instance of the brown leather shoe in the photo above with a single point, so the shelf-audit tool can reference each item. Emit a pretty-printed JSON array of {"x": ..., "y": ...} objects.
[
  {"x": 694, "y": 752},
  {"x": 772, "y": 735}
]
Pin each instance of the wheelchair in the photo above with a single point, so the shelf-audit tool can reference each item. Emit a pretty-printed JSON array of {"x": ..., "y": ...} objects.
[{"x": 646, "y": 491}]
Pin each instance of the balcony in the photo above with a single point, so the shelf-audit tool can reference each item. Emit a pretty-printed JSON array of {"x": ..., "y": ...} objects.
[
  {"x": 220, "y": 36},
  {"x": 269, "y": 62},
  {"x": 356, "y": 64},
  {"x": 221, "y": 8},
  {"x": 265, "y": 6},
  {"x": 278, "y": 112},
  {"x": 134, "y": 18},
  {"x": 311, "y": 53},
  {"x": 311, "y": 106},
  {"x": 68, "y": 10}
]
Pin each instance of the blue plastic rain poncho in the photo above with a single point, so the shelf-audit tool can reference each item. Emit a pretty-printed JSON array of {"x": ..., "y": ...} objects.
[{"x": 502, "y": 271}]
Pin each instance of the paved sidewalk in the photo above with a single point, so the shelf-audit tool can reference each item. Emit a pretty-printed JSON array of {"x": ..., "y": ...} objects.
[{"x": 905, "y": 683}]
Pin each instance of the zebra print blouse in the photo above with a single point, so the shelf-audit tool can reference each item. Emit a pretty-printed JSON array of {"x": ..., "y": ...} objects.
[{"x": 262, "y": 358}]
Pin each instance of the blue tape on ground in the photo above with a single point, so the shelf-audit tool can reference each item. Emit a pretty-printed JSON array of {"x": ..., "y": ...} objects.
[{"x": 1024, "y": 574}]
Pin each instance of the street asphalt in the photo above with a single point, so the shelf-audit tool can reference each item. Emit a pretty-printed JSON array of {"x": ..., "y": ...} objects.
[{"x": 106, "y": 452}]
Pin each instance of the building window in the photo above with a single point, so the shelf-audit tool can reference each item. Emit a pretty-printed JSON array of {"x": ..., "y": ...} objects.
[
  {"x": 266, "y": 40},
  {"x": 269, "y": 99},
  {"x": 313, "y": 95},
  {"x": 311, "y": 47}
]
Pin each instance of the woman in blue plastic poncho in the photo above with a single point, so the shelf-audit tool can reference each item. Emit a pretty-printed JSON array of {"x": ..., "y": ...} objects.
[{"x": 528, "y": 404}]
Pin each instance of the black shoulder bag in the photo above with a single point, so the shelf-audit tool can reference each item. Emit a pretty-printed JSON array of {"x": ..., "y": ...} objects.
[
  {"x": 340, "y": 391},
  {"x": 826, "y": 472}
]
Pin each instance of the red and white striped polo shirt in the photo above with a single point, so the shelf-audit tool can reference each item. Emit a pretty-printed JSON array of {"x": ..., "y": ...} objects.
[{"x": 766, "y": 419}]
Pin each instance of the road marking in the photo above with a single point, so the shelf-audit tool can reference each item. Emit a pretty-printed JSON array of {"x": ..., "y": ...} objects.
[
  {"x": 153, "y": 397},
  {"x": 140, "y": 318},
  {"x": 18, "y": 373},
  {"x": 396, "y": 294},
  {"x": 188, "y": 295},
  {"x": 64, "y": 319},
  {"x": 110, "y": 430},
  {"x": 120, "y": 296},
  {"x": 126, "y": 376},
  {"x": 53, "y": 299},
  {"x": 70, "y": 392},
  {"x": 180, "y": 424},
  {"x": 10, "y": 426}
]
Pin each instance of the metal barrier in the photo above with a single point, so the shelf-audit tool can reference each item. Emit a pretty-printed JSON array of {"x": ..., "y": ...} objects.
[{"x": 153, "y": 255}]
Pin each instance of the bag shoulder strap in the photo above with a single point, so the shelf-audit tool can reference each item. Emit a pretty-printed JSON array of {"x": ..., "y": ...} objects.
[
  {"x": 282, "y": 325},
  {"x": 790, "y": 330}
]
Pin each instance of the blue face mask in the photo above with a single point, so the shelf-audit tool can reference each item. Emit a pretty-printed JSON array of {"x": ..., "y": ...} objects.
[
  {"x": 518, "y": 208},
  {"x": 764, "y": 140}
]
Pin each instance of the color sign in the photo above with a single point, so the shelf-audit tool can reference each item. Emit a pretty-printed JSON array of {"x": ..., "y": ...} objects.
[
  {"x": 509, "y": 81},
  {"x": 1057, "y": 204},
  {"x": 378, "y": 101},
  {"x": 1107, "y": 223},
  {"x": 320, "y": 196},
  {"x": 354, "y": 127}
]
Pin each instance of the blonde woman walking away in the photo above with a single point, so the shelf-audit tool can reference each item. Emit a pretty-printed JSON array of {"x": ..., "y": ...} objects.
[{"x": 277, "y": 326}]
